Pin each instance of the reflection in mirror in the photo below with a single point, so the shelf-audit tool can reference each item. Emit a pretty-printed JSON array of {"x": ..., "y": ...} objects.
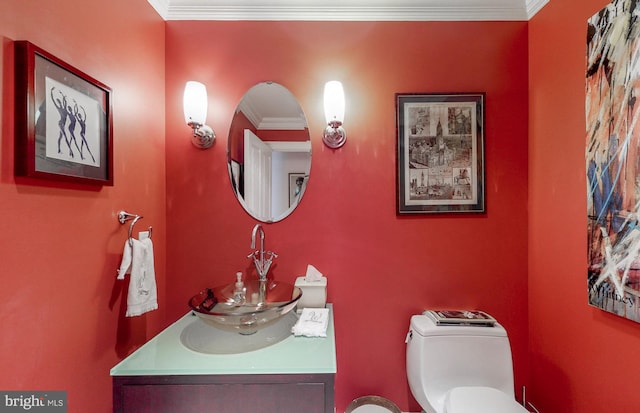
[{"x": 269, "y": 152}]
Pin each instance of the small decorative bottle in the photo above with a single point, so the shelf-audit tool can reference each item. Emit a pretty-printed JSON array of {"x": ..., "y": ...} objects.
[{"x": 239, "y": 293}]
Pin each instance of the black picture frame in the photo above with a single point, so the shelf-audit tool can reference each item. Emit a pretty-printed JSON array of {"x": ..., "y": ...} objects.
[
  {"x": 63, "y": 120},
  {"x": 440, "y": 153},
  {"x": 296, "y": 186}
]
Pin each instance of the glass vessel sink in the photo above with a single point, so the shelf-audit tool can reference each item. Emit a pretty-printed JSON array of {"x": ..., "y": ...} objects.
[
  {"x": 199, "y": 336},
  {"x": 256, "y": 305}
]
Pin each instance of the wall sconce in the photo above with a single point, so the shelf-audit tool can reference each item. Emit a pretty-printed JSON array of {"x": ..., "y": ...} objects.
[
  {"x": 334, "y": 135},
  {"x": 195, "y": 114}
]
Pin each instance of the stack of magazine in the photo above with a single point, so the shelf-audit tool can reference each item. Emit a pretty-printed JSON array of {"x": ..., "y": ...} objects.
[{"x": 460, "y": 317}]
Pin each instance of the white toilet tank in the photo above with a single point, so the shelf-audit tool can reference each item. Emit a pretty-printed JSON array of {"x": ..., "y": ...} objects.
[{"x": 441, "y": 358}]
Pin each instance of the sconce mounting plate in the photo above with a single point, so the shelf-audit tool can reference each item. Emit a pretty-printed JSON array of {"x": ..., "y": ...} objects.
[
  {"x": 203, "y": 136},
  {"x": 334, "y": 136}
]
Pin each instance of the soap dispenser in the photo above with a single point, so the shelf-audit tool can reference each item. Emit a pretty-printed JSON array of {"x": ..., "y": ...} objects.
[{"x": 239, "y": 291}]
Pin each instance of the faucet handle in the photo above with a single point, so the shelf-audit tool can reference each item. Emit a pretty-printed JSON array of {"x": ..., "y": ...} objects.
[
  {"x": 272, "y": 255},
  {"x": 254, "y": 255}
]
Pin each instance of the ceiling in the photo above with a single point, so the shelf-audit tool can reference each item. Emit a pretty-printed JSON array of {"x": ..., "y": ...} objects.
[
  {"x": 271, "y": 106},
  {"x": 349, "y": 10}
]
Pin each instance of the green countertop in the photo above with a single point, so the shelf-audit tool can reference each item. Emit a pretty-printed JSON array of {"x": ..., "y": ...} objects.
[{"x": 166, "y": 355}]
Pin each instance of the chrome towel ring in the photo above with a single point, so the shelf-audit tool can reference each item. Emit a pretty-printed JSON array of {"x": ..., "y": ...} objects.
[{"x": 124, "y": 216}]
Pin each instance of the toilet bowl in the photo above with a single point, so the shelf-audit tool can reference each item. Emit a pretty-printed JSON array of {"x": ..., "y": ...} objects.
[{"x": 460, "y": 368}]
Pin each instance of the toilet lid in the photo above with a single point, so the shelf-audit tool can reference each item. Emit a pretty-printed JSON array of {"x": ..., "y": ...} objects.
[{"x": 480, "y": 400}]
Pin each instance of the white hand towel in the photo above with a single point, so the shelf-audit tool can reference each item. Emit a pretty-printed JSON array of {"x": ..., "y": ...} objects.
[
  {"x": 313, "y": 322},
  {"x": 125, "y": 264},
  {"x": 137, "y": 259}
]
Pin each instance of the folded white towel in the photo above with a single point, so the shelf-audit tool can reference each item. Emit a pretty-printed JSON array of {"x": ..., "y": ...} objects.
[
  {"x": 313, "y": 322},
  {"x": 137, "y": 260}
]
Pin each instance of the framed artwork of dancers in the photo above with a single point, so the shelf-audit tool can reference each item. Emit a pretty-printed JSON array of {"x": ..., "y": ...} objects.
[{"x": 63, "y": 128}]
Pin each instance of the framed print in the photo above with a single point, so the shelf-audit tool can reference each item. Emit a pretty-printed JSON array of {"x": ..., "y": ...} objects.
[
  {"x": 296, "y": 186},
  {"x": 63, "y": 120},
  {"x": 237, "y": 180},
  {"x": 440, "y": 153}
]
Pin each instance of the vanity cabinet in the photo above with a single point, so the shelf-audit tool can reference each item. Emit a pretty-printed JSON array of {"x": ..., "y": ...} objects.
[
  {"x": 283, "y": 393},
  {"x": 293, "y": 376}
]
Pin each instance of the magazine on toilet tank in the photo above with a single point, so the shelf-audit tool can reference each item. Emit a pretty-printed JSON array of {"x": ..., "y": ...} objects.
[{"x": 460, "y": 317}]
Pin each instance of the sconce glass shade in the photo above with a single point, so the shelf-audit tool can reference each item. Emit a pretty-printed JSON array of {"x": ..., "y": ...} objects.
[
  {"x": 195, "y": 114},
  {"x": 195, "y": 103},
  {"x": 334, "y": 101},
  {"x": 334, "y": 135}
]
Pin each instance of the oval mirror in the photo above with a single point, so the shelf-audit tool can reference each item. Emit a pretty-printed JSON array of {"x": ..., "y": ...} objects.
[{"x": 269, "y": 152}]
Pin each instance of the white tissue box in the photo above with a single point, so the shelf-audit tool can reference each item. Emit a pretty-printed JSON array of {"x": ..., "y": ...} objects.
[{"x": 314, "y": 293}]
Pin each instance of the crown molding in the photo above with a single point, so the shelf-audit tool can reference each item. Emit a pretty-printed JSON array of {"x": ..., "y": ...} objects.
[
  {"x": 161, "y": 7},
  {"x": 534, "y": 6},
  {"x": 269, "y": 123},
  {"x": 290, "y": 146},
  {"x": 273, "y": 123},
  {"x": 403, "y": 10}
]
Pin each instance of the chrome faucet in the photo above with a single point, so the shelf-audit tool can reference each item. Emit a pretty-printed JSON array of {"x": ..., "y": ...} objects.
[{"x": 261, "y": 259}]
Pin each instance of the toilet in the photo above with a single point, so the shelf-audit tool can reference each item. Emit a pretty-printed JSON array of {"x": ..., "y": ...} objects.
[{"x": 460, "y": 368}]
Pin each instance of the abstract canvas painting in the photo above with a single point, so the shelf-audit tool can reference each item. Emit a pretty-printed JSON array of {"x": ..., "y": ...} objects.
[{"x": 613, "y": 159}]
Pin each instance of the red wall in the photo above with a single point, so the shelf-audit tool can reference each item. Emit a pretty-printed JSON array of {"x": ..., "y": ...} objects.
[
  {"x": 283, "y": 135},
  {"x": 236, "y": 150},
  {"x": 381, "y": 268},
  {"x": 582, "y": 359},
  {"x": 61, "y": 308}
]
